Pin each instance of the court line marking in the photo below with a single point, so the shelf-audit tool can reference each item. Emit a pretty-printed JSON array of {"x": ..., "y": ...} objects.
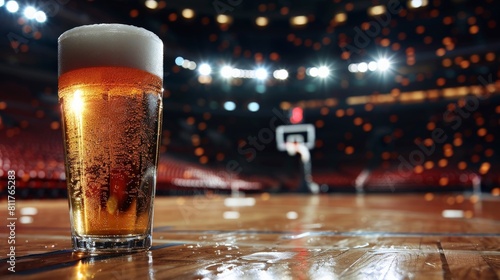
[{"x": 446, "y": 267}]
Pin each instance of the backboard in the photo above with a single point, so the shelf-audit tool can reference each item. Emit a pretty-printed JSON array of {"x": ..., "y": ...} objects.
[{"x": 297, "y": 133}]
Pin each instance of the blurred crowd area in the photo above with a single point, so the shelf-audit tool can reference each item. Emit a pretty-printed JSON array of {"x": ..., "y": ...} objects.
[{"x": 444, "y": 145}]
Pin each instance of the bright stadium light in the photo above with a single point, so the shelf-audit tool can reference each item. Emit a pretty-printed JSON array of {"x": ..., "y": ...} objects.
[
  {"x": 179, "y": 60},
  {"x": 353, "y": 67},
  {"x": 377, "y": 10},
  {"x": 261, "y": 74},
  {"x": 280, "y": 74},
  {"x": 253, "y": 106},
  {"x": 204, "y": 69},
  {"x": 224, "y": 19},
  {"x": 261, "y": 21},
  {"x": 237, "y": 73},
  {"x": 2, "y": 2},
  {"x": 29, "y": 12},
  {"x": 323, "y": 72},
  {"x": 188, "y": 13},
  {"x": 226, "y": 72},
  {"x": 414, "y": 4},
  {"x": 362, "y": 67},
  {"x": 229, "y": 105},
  {"x": 298, "y": 20},
  {"x": 12, "y": 6},
  {"x": 313, "y": 71},
  {"x": 151, "y": 4},
  {"x": 383, "y": 64},
  {"x": 40, "y": 16},
  {"x": 191, "y": 65},
  {"x": 372, "y": 66}
]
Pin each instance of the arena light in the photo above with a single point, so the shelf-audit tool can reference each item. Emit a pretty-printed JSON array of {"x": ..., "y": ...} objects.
[
  {"x": 253, "y": 107},
  {"x": 191, "y": 65},
  {"x": 247, "y": 74},
  {"x": 313, "y": 71},
  {"x": 363, "y": 67},
  {"x": 340, "y": 17},
  {"x": 12, "y": 6},
  {"x": 323, "y": 72},
  {"x": 151, "y": 4},
  {"x": 377, "y": 10},
  {"x": 261, "y": 21},
  {"x": 40, "y": 16},
  {"x": 261, "y": 74},
  {"x": 185, "y": 63},
  {"x": 280, "y": 74},
  {"x": 204, "y": 69},
  {"x": 372, "y": 66},
  {"x": 415, "y": 4},
  {"x": 224, "y": 19},
  {"x": 226, "y": 72},
  {"x": 2, "y": 2},
  {"x": 179, "y": 60},
  {"x": 353, "y": 68},
  {"x": 383, "y": 64},
  {"x": 29, "y": 12},
  {"x": 298, "y": 20},
  {"x": 237, "y": 73},
  {"x": 188, "y": 13},
  {"x": 229, "y": 105}
]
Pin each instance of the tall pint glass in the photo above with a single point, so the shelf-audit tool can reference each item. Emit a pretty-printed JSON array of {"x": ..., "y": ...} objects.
[{"x": 110, "y": 91}]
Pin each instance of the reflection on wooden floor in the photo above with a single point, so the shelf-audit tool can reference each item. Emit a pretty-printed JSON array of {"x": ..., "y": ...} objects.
[{"x": 278, "y": 237}]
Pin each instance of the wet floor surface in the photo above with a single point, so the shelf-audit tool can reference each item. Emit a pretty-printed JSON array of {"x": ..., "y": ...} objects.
[{"x": 417, "y": 236}]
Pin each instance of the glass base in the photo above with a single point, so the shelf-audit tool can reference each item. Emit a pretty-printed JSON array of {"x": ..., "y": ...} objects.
[{"x": 111, "y": 244}]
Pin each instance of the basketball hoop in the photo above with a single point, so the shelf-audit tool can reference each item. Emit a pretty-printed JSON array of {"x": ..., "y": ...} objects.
[
  {"x": 299, "y": 139},
  {"x": 298, "y": 133}
]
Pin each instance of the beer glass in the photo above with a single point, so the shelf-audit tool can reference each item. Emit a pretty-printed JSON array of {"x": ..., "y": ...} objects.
[{"x": 110, "y": 92}]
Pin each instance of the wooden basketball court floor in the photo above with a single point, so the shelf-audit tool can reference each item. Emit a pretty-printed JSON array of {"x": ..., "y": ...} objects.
[{"x": 335, "y": 236}]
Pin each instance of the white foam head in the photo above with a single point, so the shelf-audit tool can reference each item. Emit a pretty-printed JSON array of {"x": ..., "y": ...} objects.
[{"x": 110, "y": 45}]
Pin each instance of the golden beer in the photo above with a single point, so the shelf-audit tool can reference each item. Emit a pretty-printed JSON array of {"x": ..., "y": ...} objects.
[{"x": 111, "y": 111}]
